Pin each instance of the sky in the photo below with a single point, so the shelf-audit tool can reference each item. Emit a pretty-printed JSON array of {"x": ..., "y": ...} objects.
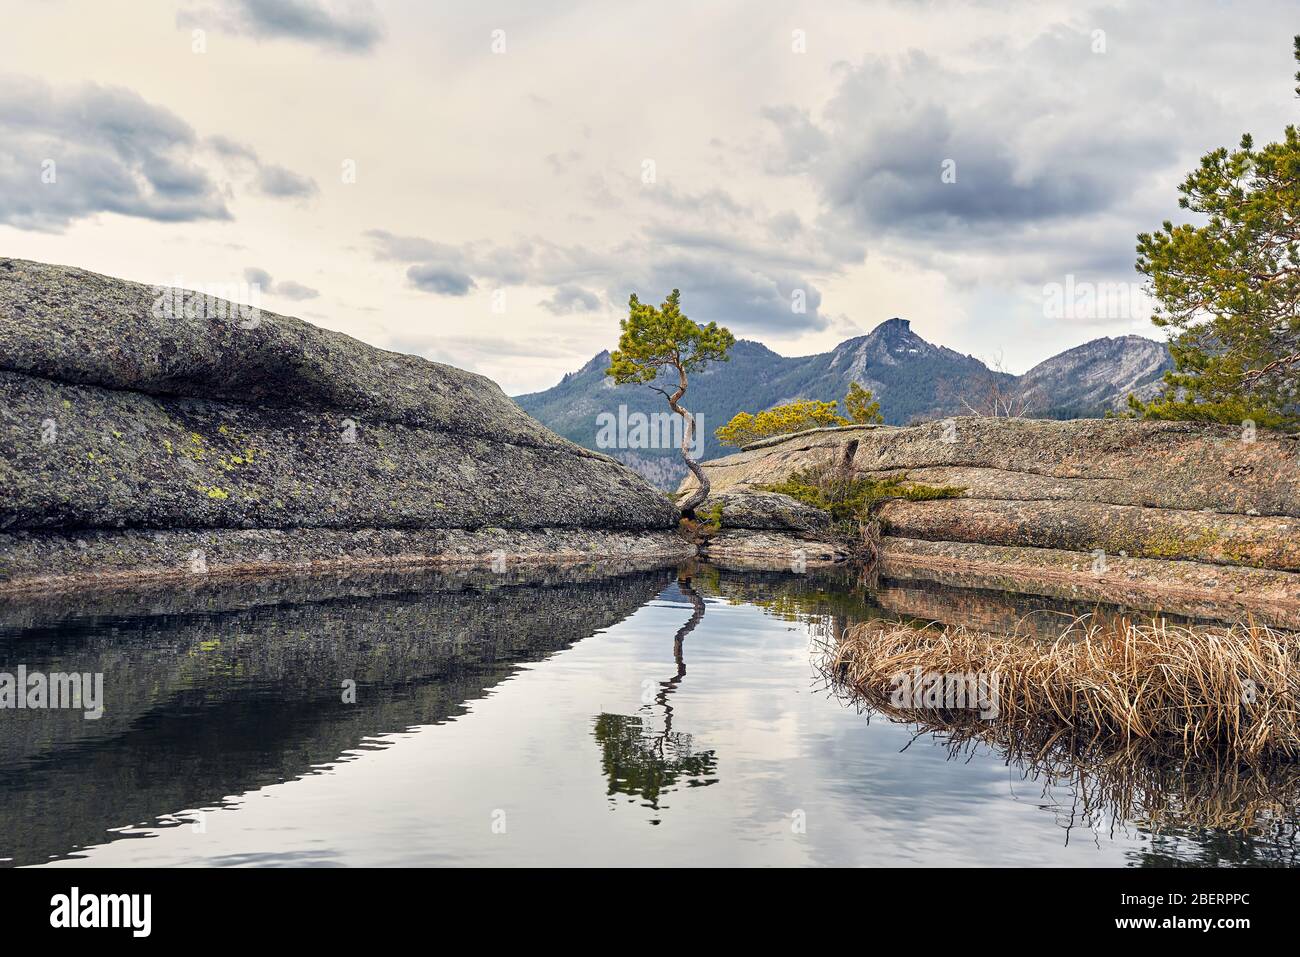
[{"x": 485, "y": 183}]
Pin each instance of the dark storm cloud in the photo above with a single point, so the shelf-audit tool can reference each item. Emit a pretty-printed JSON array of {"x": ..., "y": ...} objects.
[
  {"x": 1047, "y": 133},
  {"x": 349, "y": 25},
  {"x": 1063, "y": 143},
  {"x": 896, "y": 181},
  {"x": 68, "y": 155}
]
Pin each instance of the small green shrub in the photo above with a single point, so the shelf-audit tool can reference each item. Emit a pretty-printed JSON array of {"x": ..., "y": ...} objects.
[
  {"x": 847, "y": 497},
  {"x": 711, "y": 518}
]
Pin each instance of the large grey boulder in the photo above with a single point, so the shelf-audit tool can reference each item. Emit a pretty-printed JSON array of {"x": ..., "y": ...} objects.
[
  {"x": 769, "y": 511},
  {"x": 75, "y": 326},
  {"x": 129, "y": 407}
]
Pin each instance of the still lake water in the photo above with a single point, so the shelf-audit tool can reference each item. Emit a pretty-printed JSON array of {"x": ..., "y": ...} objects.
[{"x": 616, "y": 720}]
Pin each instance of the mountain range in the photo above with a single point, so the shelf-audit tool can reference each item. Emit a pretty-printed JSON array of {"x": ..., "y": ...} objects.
[{"x": 913, "y": 379}]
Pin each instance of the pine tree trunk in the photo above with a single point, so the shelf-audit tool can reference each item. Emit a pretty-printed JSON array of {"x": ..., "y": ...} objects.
[{"x": 688, "y": 433}]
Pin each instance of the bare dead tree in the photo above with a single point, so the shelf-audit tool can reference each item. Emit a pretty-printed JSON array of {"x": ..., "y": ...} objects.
[{"x": 999, "y": 401}]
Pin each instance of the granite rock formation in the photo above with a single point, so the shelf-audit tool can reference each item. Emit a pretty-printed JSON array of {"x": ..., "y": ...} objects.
[
  {"x": 150, "y": 431},
  {"x": 1200, "y": 519}
]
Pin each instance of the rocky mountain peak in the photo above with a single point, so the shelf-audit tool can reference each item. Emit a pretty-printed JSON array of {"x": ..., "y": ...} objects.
[
  {"x": 1100, "y": 373},
  {"x": 890, "y": 343},
  {"x": 597, "y": 363},
  {"x": 893, "y": 326}
]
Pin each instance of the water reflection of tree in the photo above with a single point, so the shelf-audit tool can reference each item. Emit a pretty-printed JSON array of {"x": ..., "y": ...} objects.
[{"x": 643, "y": 758}]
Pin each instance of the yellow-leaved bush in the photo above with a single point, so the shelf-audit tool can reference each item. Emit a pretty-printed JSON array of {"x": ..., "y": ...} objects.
[
  {"x": 791, "y": 417},
  {"x": 798, "y": 416}
]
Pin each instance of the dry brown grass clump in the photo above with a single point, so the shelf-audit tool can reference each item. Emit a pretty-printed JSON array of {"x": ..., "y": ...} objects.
[{"x": 1199, "y": 690}]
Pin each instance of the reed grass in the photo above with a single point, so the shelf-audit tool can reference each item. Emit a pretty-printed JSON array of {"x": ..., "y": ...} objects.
[{"x": 1193, "y": 691}]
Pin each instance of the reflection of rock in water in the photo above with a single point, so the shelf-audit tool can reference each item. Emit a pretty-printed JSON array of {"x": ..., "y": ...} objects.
[
  {"x": 1035, "y": 616},
  {"x": 644, "y": 762},
  {"x": 231, "y": 690},
  {"x": 839, "y": 595}
]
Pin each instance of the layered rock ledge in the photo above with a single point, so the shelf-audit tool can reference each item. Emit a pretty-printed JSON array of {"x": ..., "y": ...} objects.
[
  {"x": 764, "y": 530},
  {"x": 1188, "y": 518},
  {"x": 149, "y": 433}
]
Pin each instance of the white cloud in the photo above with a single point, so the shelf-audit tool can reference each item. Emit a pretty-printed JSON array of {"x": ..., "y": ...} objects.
[{"x": 776, "y": 172}]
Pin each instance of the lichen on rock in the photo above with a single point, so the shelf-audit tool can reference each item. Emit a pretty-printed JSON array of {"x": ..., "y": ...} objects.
[{"x": 116, "y": 415}]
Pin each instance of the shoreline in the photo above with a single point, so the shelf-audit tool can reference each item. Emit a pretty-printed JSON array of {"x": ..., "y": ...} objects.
[{"x": 169, "y": 557}]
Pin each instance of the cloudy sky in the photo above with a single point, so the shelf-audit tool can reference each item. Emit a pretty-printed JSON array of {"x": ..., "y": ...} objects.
[{"x": 484, "y": 183}]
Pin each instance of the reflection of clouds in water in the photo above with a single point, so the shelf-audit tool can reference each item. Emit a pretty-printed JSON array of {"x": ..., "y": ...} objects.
[
  {"x": 488, "y": 694},
  {"x": 945, "y": 801}
]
